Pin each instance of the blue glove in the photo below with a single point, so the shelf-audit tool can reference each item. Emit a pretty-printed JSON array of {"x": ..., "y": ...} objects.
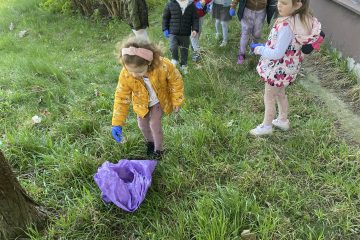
[
  {"x": 198, "y": 5},
  {"x": 232, "y": 12},
  {"x": 254, "y": 45},
  {"x": 209, "y": 7},
  {"x": 166, "y": 33},
  {"x": 116, "y": 132}
]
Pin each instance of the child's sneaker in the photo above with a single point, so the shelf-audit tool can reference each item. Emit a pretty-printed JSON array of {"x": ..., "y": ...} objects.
[
  {"x": 261, "y": 130},
  {"x": 223, "y": 43},
  {"x": 241, "y": 59},
  {"x": 196, "y": 56},
  {"x": 217, "y": 36},
  {"x": 174, "y": 62},
  {"x": 283, "y": 125},
  {"x": 184, "y": 69}
]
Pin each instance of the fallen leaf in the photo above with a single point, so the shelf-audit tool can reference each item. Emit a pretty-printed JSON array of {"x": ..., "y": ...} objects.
[
  {"x": 36, "y": 119},
  {"x": 247, "y": 235},
  {"x": 23, "y": 33},
  {"x": 11, "y": 26}
]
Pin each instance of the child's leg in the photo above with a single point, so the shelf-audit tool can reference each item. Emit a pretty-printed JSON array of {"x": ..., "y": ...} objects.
[
  {"x": 184, "y": 42},
  {"x": 217, "y": 26},
  {"x": 144, "y": 125},
  {"x": 225, "y": 30},
  {"x": 258, "y": 24},
  {"x": 283, "y": 105},
  {"x": 174, "y": 45},
  {"x": 269, "y": 101},
  {"x": 155, "y": 126},
  {"x": 246, "y": 30},
  {"x": 195, "y": 40}
]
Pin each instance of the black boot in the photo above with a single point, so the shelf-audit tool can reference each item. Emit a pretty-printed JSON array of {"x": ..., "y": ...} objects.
[
  {"x": 150, "y": 148},
  {"x": 158, "y": 154}
]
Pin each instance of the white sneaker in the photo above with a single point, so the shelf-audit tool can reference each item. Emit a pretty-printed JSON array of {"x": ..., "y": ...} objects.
[
  {"x": 223, "y": 44},
  {"x": 217, "y": 36},
  {"x": 184, "y": 69},
  {"x": 283, "y": 125},
  {"x": 261, "y": 130},
  {"x": 174, "y": 62}
]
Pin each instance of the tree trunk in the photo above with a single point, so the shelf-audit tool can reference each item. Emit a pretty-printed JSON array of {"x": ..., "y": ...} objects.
[{"x": 17, "y": 209}]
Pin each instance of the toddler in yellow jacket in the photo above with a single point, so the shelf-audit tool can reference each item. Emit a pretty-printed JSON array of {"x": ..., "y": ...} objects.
[{"x": 153, "y": 85}]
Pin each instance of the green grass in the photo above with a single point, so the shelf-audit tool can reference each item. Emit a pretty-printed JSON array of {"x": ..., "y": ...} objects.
[{"x": 214, "y": 181}]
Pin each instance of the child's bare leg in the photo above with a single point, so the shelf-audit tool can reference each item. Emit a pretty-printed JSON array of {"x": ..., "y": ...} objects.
[
  {"x": 283, "y": 105},
  {"x": 144, "y": 125},
  {"x": 269, "y": 101},
  {"x": 156, "y": 127}
]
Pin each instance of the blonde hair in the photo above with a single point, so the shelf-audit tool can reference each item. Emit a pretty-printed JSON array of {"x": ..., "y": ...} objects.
[
  {"x": 304, "y": 12},
  {"x": 136, "y": 60}
]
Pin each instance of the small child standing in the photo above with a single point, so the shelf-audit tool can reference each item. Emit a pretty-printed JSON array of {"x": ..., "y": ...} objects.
[
  {"x": 220, "y": 11},
  {"x": 203, "y": 7},
  {"x": 155, "y": 87},
  {"x": 251, "y": 14},
  {"x": 281, "y": 59},
  {"x": 180, "y": 20}
]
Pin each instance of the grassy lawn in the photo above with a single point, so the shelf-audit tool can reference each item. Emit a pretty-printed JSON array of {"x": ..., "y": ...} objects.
[{"x": 214, "y": 181}]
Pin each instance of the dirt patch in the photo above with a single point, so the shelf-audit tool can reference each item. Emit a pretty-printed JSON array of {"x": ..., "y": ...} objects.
[
  {"x": 332, "y": 74},
  {"x": 334, "y": 86}
]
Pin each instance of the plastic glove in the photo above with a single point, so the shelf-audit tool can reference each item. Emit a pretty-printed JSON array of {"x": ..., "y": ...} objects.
[
  {"x": 254, "y": 45},
  {"x": 116, "y": 132},
  {"x": 198, "y": 5},
  {"x": 232, "y": 12},
  {"x": 166, "y": 33},
  {"x": 209, "y": 7}
]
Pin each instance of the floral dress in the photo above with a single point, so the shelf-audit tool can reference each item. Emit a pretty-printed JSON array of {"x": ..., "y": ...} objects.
[{"x": 282, "y": 72}]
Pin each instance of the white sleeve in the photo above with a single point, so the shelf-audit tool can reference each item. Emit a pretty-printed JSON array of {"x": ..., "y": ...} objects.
[{"x": 285, "y": 37}]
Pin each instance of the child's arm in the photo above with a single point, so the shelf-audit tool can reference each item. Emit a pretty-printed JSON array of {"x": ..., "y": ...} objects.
[
  {"x": 176, "y": 86},
  {"x": 166, "y": 18},
  {"x": 195, "y": 20},
  {"x": 122, "y": 101},
  {"x": 285, "y": 37}
]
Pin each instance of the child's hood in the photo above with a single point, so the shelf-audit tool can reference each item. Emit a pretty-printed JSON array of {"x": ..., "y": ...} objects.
[
  {"x": 189, "y": 1},
  {"x": 304, "y": 34}
]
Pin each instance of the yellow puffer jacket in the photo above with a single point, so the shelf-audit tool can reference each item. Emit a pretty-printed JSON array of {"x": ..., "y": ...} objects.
[{"x": 167, "y": 83}]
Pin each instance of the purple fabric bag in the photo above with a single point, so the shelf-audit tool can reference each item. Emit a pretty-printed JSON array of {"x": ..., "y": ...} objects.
[{"x": 125, "y": 183}]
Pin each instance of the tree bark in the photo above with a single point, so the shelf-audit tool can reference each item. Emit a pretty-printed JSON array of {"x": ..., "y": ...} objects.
[{"x": 17, "y": 209}]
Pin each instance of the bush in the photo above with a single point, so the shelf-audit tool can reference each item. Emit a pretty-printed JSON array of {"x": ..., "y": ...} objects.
[{"x": 104, "y": 8}]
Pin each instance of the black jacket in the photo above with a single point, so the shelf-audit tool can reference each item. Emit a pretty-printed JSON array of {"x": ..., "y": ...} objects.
[
  {"x": 270, "y": 9},
  {"x": 178, "y": 23}
]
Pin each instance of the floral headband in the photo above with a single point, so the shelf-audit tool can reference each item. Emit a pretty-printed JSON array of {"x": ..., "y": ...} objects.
[{"x": 141, "y": 52}]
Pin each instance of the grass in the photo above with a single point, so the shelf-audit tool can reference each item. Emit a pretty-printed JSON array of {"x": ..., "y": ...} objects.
[{"x": 215, "y": 180}]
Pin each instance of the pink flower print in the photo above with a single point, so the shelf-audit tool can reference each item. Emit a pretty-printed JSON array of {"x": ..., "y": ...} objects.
[
  {"x": 285, "y": 24},
  {"x": 301, "y": 59},
  {"x": 268, "y": 43}
]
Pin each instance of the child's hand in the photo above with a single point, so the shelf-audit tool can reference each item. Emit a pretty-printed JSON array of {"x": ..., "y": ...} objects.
[
  {"x": 193, "y": 33},
  {"x": 209, "y": 7},
  {"x": 166, "y": 33},
  {"x": 199, "y": 5},
  {"x": 203, "y": 2},
  {"x": 232, "y": 12},
  {"x": 116, "y": 132},
  {"x": 176, "y": 109},
  {"x": 253, "y": 46}
]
